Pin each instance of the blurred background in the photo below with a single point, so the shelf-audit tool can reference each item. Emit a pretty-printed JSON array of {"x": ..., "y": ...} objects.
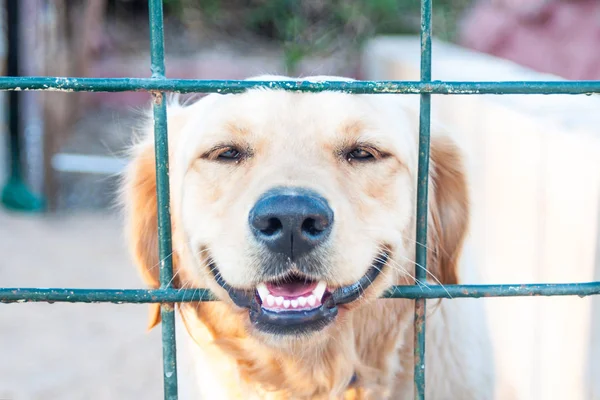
[{"x": 534, "y": 164}]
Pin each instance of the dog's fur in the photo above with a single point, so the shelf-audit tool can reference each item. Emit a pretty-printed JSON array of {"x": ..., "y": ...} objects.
[{"x": 296, "y": 139}]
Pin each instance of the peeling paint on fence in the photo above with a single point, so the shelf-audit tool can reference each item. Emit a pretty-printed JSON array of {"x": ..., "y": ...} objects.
[
  {"x": 140, "y": 296},
  {"x": 235, "y": 86}
]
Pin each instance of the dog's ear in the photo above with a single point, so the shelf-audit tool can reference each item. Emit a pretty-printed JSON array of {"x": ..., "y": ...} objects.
[
  {"x": 138, "y": 194},
  {"x": 139, "y": 191},
  {"x": 449, "y": 209}
]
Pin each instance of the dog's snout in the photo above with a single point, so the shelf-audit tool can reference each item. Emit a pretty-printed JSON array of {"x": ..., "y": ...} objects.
[{"x": 291, "y": 221}]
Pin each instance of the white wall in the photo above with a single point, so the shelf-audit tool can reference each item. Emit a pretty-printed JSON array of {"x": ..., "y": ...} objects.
[{"x": 535, "y": 175}]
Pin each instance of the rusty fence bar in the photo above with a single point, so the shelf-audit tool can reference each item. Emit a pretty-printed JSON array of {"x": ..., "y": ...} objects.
[
  {"x": 143, "y": 296},
  {"x": 422, "y": 205},
  {"x": 75, "y": 84},
  {"x": 161, "y": 148}
]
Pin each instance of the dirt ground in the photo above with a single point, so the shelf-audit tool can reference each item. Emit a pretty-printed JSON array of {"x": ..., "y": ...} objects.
[{"x": 73, "y": 351}]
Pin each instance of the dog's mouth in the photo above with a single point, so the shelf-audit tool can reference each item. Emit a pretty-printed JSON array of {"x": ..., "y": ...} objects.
[{"x": 296, "y": 304}]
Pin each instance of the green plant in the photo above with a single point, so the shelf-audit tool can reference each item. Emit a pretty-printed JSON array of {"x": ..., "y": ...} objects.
[{"x": 317, "y": 27}]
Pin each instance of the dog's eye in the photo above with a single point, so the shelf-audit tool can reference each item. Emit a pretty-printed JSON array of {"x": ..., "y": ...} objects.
[
  {"x": 229, "y": 154},
  {"x": 360, "y": 154}
]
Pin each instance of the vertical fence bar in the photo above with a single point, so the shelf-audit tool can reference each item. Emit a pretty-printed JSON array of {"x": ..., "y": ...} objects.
[
  {"x": 13, "y": 17},
  {"x": 422, "y": 187},
  {"x": 16, "y": 194},
  {"x": 161, "y": 150}
]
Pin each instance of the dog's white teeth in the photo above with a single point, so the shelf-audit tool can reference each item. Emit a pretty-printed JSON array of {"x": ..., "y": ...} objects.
[
  {"x": 300, "y": 302},
  {"x": 319, "y": 291},
  {"x": 263, "y": 292}
]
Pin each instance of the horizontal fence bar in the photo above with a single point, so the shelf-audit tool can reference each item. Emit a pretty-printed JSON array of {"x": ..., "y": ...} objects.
[
  {"x": 234, "y": 86},
  {"x": 117, "y": 296},
  {"x": 22, "y": 295}
]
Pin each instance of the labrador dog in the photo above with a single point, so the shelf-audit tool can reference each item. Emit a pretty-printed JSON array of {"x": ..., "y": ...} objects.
[{"x": 297, "y": 210}]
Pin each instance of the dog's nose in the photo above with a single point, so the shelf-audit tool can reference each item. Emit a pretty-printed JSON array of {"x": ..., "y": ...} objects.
[{"x": 291, "y": 221}]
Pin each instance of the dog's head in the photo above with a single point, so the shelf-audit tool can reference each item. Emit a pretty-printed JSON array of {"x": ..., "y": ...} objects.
[{"x": 297, "y": 206}]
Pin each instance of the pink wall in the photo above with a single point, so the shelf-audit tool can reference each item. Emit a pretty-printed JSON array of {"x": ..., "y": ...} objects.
[{"x": 561, "y": 37}]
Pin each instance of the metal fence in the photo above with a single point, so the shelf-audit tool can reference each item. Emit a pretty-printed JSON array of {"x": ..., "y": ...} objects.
[{"x": 159, "y": 84}]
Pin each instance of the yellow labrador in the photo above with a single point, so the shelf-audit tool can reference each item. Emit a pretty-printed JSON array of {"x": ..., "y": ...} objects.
[{"x": 298, "y": 210}]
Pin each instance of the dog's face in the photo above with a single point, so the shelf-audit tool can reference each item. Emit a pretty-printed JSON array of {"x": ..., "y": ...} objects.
[{"x": 296, "y": 206}]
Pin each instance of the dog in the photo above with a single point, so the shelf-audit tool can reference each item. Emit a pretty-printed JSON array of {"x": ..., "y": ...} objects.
[{"x": 297, "y": 210}]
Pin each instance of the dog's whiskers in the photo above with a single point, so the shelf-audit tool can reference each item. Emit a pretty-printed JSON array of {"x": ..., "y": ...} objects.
[
  {"x": 160, "y": 261},
  {"x": 400, "y": 268},
  {"x": 435, "y": 278},
  {"x": 401, "y": 237}
]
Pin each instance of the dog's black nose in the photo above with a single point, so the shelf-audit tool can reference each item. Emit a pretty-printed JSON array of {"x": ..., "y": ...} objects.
[{"x": 291, "y": 221}]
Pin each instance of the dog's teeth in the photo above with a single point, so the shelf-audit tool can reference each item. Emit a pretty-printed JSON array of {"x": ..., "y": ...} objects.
[
  {"x": 279, "y": 300},
  {"x": 286, "y": 303},
  {"x": 302, "y": 301},
  {"x": 263, "y": 292},
  {"x": 311, "y": 300},
  {"x": 294, "y": 303},
  {"x": 319, "y": 291},
  {"x": 270, "y": 301}
]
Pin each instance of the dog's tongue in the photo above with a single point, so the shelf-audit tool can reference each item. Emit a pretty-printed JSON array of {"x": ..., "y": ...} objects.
[{"x": 291, "y": 289}]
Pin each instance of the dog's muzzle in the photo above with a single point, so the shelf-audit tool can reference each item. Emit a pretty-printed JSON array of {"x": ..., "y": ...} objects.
[{"x": 295, "y": 304}]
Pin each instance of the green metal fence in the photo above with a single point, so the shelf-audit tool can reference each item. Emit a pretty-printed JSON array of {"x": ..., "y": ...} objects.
[{"x": 167, "y": 295}]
